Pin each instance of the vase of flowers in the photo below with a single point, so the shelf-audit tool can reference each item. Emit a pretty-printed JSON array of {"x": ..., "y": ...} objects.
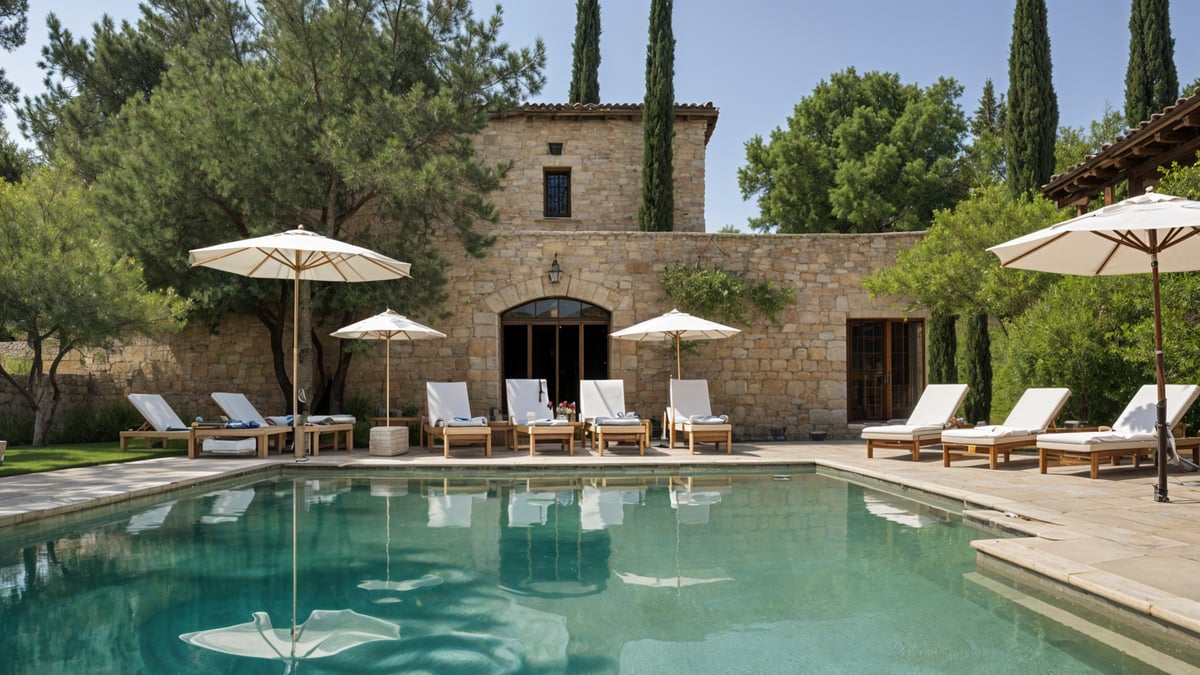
[{"x": 565, "y": 411}]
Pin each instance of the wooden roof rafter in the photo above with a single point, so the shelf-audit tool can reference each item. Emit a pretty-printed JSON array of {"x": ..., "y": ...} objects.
[{"x": 1172, "y": 135}]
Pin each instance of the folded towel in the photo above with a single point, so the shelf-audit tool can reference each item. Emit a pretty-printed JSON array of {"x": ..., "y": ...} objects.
[
  {"x": 546, "y": 422},
  {"x": 465, "y": 422},
  {"x": 708, "y": 419},
  {"x": 281, "y": 420},
  {"x": 619, "y": 421},
  {"x": 331, "y": 419}
]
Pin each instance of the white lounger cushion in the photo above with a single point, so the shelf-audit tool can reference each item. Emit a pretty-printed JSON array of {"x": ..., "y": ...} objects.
[
  {"x": 1136, "y": 423},
  {"x": 157, "y": 412},
  {"x": 901, "y": 431},
  {"x": 601, "y": 398},
  {"x": 708, "y": 419},
  {"x": 989, "y": 431},
  {"x": 1036, "y": 409},
  {"x": 937, "y": 405},
  {"x": 933, "y": 411},
  {"x": 528, "y": 401},
  {"x": 689, "y": 398}
]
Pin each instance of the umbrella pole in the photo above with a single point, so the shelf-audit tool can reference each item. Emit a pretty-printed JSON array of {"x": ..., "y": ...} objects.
[
  {"x": 297, "y": 428},
  {"x": 678, "y": 372},
  {"x": 1160, "y": 490},
  {"x": 387, "y": 379},
  {"x": 295, "y": 514}
]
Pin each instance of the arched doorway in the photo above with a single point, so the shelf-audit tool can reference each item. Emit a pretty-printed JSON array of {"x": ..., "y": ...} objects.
[{"x": 557, "y": 339}]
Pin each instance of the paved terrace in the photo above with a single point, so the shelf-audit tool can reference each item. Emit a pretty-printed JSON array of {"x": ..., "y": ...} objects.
[{"x": 1106, "y": 537}]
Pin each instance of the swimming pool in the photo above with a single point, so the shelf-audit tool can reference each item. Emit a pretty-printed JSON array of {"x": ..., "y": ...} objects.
[{"x": 624, "y": 574}]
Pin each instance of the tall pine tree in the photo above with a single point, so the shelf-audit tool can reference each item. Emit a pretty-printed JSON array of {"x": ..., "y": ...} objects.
[
  {"x": 1151, "y": 82},
  {"x": 943, "y": 348},
  {"x": 979, "y": 368},
  {"x": 657, "y": 211},
  {"x": 1032, "y": 117},
  {"x": 585, "y": 70}
]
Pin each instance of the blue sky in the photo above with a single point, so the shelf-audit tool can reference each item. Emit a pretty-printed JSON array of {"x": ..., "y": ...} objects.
[{"x": 755, "y": 59}]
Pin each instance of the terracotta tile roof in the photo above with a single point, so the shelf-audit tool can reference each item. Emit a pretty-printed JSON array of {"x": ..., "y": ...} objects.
[
  {"x": 1172, "y": 135},
  {"x": 704, "y": 111}
]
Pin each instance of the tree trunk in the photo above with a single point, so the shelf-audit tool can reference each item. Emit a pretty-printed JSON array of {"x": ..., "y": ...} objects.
[{"x": 46, "y": 405}]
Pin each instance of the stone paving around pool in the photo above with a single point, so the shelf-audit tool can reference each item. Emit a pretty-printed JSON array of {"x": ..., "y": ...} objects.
[{"x": 1106, "y": 537}]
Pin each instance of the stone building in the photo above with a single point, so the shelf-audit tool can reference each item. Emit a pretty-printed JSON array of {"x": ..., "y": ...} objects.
[{"x": 836, "y": 356}]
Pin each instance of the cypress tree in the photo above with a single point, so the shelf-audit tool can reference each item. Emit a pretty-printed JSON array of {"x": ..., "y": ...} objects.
[
  {"x": 979, "y": 369},
  {"x": 1032, "y": 116},
  {"x": 585, "y": 70},
  {"x": 943, "y": 348},
  {"x": 657, "y": 210},
  {"x": 1151, "y": 82}
]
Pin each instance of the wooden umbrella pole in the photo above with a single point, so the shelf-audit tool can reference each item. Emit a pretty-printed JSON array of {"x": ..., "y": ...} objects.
[
  {"x": 678, "y": 372},
  {"x": 297, "y": 429},
  {"x": 1160, "y": 490},
  {"x": 387, "y": 379}
]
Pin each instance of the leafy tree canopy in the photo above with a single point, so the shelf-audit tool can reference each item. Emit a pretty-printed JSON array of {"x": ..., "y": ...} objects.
[
  {"x": 94, "y": 295},
  {"x": 950, "y": 269},
  {"x": 861, "y": 154},
  {"x": 355, "y": 119},
  {"x": 14, "y": 25}
]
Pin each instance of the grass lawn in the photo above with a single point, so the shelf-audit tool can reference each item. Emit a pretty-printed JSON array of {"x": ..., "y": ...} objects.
[{"x": 25, "y": 459}]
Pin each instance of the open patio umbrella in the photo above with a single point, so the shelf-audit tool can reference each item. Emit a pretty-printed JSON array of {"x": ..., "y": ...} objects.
[
  {"x": 387, "y": 326},
  {"x": 324, "y": 634},
  {"x": 298, "y": 254},
  {"x": 1153, "y": 232},
  {"x": 675, "y": 326}
]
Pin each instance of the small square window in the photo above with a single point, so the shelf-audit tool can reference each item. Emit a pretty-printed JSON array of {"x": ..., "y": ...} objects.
[{"x": 558, "y": 193}]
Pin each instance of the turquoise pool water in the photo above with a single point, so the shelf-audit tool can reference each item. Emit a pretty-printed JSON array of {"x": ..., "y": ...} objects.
[{"x": 709, "y": 574}]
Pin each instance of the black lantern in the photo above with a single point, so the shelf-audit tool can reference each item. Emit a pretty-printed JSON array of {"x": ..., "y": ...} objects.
[{"x": 555, "y": 272}]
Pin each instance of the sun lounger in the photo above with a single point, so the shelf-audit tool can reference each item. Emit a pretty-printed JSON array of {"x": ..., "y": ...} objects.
[
  {"x": 530, "y": 416},
  {"x": 691, "y": 414},
  {"x": 166, "y": 425},
  {"x": 449, "y": 417},
  {"x": 229, "y": 506},
  {"x": 151, "y": 519},
  {"x": 605, "y": 418},
  {"x": 237, "y": 407},
  {"x": 1032, "y": 415},
  {"x": 161, "y": 422},
  {"x": 924, "y": 426},
  {"x": 1132, "y": 435}
]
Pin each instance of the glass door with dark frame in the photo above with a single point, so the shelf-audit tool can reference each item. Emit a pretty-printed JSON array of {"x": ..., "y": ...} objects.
[
  {"x": 559, "y": 340},
  {"x": 885, "y": 368}
]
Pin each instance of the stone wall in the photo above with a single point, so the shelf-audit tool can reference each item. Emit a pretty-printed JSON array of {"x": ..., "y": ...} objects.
[
  {"x": 602, "y": 148},
  {"x": 791, "y": 374}
]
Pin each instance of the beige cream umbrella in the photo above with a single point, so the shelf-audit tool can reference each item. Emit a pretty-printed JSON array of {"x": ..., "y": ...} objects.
[
  {"x": 1148, "y": 233},
  {"x": 387, "y": 326},
  {"x": 298, "y": 254},
  {"x": 675, "y": 326}
]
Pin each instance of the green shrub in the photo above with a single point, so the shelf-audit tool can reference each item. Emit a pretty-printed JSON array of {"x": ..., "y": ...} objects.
[
  {"x": 16, "y": 428},
  {"x": 361, "y": 406},
  {"x": 88, "y": 424}
]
